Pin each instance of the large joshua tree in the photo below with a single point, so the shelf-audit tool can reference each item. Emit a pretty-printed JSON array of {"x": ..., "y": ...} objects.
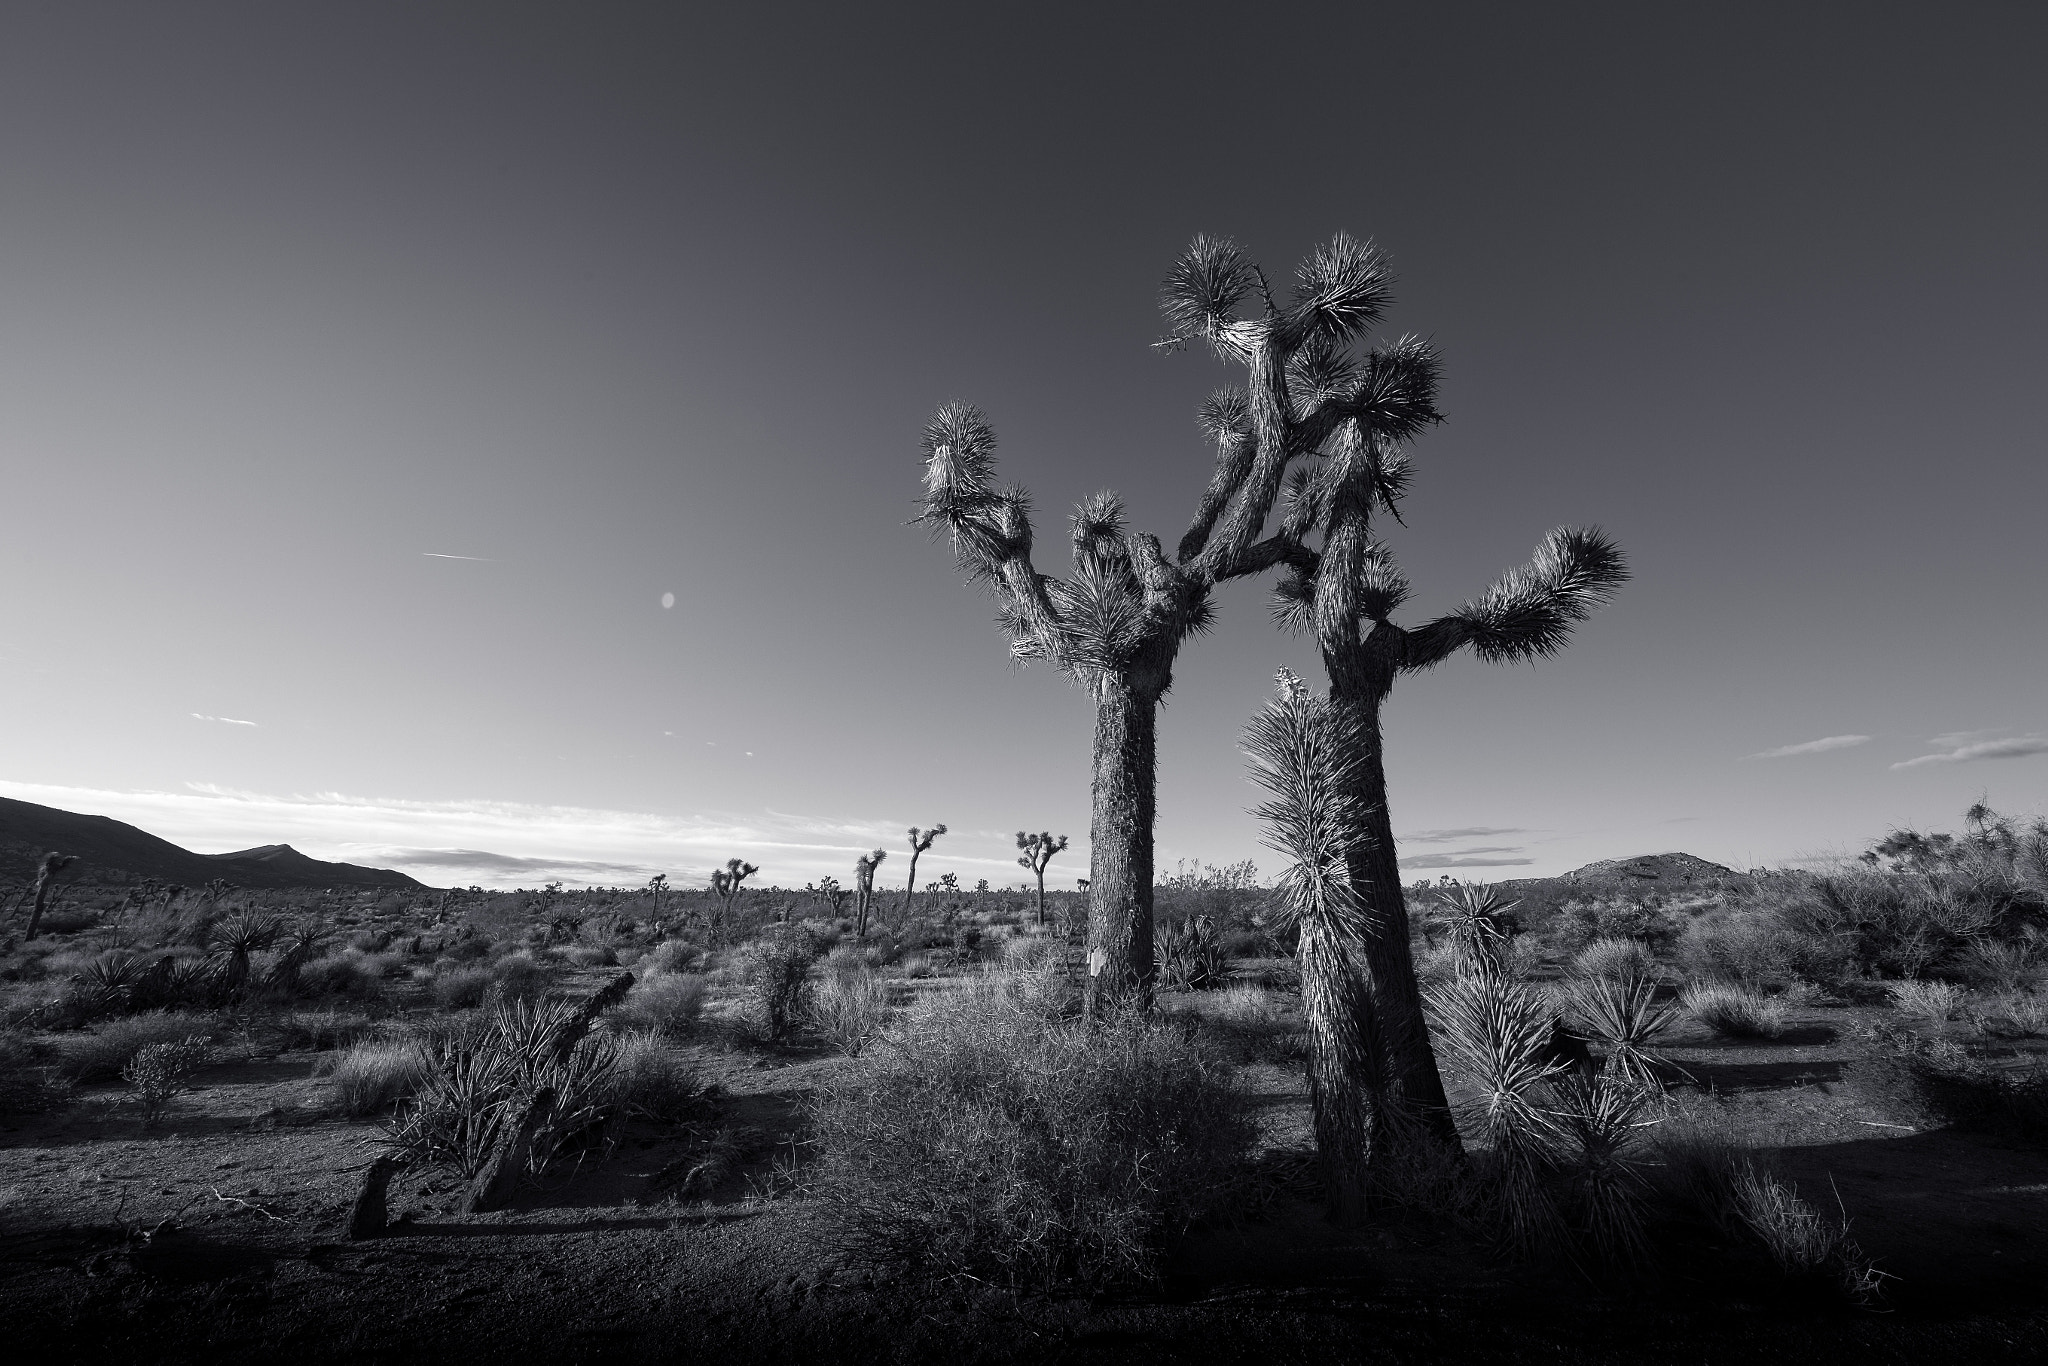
[
  {"x": 920, "y": 841},
  {"x": 1117, "y": 623},
  {"x": 1038, "y": 851},
  {"x": 1346, "y": 592},
  {"x": 46, "y": 868}
]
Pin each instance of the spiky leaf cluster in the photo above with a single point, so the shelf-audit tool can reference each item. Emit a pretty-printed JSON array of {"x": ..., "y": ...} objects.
[{"x": 1304, "y": 753}]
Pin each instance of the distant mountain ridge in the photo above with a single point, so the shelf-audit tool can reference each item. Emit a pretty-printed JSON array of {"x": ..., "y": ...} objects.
[{"x": 111, "y": 850}]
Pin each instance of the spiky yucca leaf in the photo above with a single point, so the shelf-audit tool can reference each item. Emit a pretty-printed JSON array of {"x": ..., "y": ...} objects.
[
  {"x": 1396, "y": 388},
  {"x": 1596, "y": 1117},
  {"x": 1305, "y": 752},
  {"x": 1318, "y": 372},
  {"x": 1622, "y": 1014},
  {"x": 1226, "y": 415},
  {"x": 1204, "y": 288},
  {"x": 1530, "y": 612},
  {"x": 1340, "y": 290},
  {"x": 1497, "y": 1032},
  {"x": 1476, "y": 917}
]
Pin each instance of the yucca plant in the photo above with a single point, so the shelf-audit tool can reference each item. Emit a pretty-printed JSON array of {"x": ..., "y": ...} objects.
[
  {"x": 1038, "y": 851},
  {"x": 233, "y": 940},
  {"x": 1191, "y": 956},
  {"x": 1622, "y": 1014},
  {"x": 301, "y": 945},
  {"x": 1298, "y": 750},
  {"x": 1116, "y": 625},
  {"x": 107, "y": 984},
  {"x": 1476, "y": 920}
]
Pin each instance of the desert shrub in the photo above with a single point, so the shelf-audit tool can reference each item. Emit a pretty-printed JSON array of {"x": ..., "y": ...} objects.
[
  {"x": 1583, "y": 921},
  {"x": 2002, "y": 966},
  {"x": 520, "y": 977},
  {"x": 371, "y": 1075},
  {"x": 159, "y": 1071},
  {"x": 1735, "y": 1012},
  {"x": 650, "y": 1081},
  {"x": 1253, "y": 1024},
  {"x": 1031, "y": 952},
  {"x": 673, "y": 955},
  {"x": 1757, "y": 1210},
  {"x": 847, "y": 1006},
  {"x": 317, "y": 1031},
  {"x": 68, "y": 920},
  {"x": 1933, "y": 1002},
  {"x": 1745, "y": 949},
  {"x": 592, "y": 955},
  {"x": 100, "y": 1055},
  {"x": 1613, "y": 959},
  {"x": 1938, "y": 1082},
  {"x": 25, "y": 1087},
  {"x": 775, "y": 971},
  {"x": 668, "y": 1004},
  {"x": 459, "y": 988},
  {"x": 1191, "y": 955},
  {"x": 995, "y": 1139},
  {"x": 349, "y": 973},
  {"x": 2016, "y": 1017}
]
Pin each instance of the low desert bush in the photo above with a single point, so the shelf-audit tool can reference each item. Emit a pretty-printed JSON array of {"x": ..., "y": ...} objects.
[
  {"x": 1582, "y": 922},
  {"x": 317, "y": 1031},
  {"x": 1934, "y": 1002},
  {"x": 847, "y": 1006},
  {"x": 100, "y": 1055},
  {"x": 371, "y": 1075},
  {"x": 25, "y": 1087},
  {"x": 672, "y": 955},
  {"x": 351, "y": 973},
  {"x": 775, "y": 970},
  {"x": 1939, "y": 1082},
  {"x": 520, "y": 977},
  {"x": 460, "y": 988},
  {"x": 2002, "y": 966},
  {"x": 649, "y": 1080},
  {"x": 592, "y": 955},
  {"x": 1620, "y": 960},
  {"x": 1734, "y": 1190},
  {"x": 1752, "y": 950},
  {"x": 1734, "y": 1012},
  {"x": 2015, "y": 1017},
  {"x": 159, "y": 1071},
  {"x": 1031, "y": 952},
  {"x": 667, "y": 1003},
  {"x": 994, "y": 1138}
]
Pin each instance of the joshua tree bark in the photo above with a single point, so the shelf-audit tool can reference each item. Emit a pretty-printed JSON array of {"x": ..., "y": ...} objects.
[
  {"x": 1038, "y": 851},
  {"x": 1117, "y": 624},
  {"x": 919, "y": 842},
  {"x": 51, "y": 865}
]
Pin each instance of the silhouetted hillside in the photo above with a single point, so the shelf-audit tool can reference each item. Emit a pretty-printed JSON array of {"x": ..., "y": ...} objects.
[{"x": 113, "y": 851}]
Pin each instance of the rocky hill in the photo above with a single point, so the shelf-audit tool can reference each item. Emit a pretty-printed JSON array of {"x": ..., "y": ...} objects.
[{"x": 111, "y": 851}]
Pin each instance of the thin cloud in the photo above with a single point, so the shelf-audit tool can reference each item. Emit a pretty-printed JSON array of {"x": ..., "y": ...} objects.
[
  {"x": 1460, "y": 861},
  {"x": 1469, "y": 832},
  {"x": 1956, "y": 739},
  {"x": 1820, "y": 746},
  {"x": 437, "y": 555},
  {"x": 2018, "y": 747},
  {"x": 224, "y": 720}
]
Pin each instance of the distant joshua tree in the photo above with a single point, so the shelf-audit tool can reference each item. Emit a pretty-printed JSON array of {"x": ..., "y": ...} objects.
[
  {"x": 1117, "y": 624},
  {"x": 51, "y": 865},
  {"x": 1038, "y": 851},
  {"x": 864, "y": 889},
  {"x": 828, "y": 891},
  {"x": 656, "y": 885},
  {"x": 1345, "y": 592},
  {"x": 919, "y": 842},
  {"x": 726, "y": 882}
]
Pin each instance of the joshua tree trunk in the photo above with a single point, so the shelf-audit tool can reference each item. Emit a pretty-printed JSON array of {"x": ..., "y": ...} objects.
[
  {"x": 910, "y": 890},
  {"x": 51, "y": 865},
  {"x": 1120, "y": 836},
  {"x": 1361, "y": 676},
  {"x": 1041, "y": 898}
]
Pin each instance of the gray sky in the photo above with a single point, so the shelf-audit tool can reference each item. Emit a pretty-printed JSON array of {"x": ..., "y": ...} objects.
[{"x": 369, "y": 373}]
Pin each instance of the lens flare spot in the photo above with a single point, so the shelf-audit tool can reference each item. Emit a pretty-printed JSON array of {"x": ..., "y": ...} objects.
[{"x": 668, "y": 600}]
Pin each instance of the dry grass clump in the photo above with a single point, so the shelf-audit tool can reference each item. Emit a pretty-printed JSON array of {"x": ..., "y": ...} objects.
[
  {"x": 672, "y": 956},
  {"x": 1737, "y": 1193},
  {"x": 649, "y": 1080},
  {"x": 317, "y": 1031},
  {"x": 461, "y": 988},
  {"x": 1934, "y": 1002},
  {"x": 669, "y": 1004},
  {"x": 1617, "y": 960},
  {"x": 1735, "y": 1012},
  {"x": 1255, "y": 1023},
  {"x": 848, "y": 1004},
  {"x": 370, "y": 1076},
  {"x": 1031, "y": 952},
  {"x": 994, "y": 1137},
  {"x": 100, "y": 1055}
]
